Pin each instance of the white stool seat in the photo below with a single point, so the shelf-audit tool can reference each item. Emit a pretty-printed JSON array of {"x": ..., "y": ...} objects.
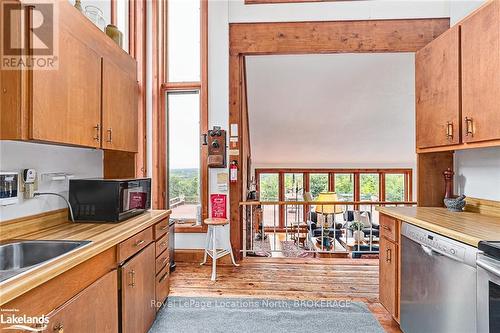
[{"x": 210, "y": 247}]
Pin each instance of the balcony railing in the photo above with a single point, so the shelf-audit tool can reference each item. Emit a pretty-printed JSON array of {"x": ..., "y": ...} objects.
[{"x": 293, "y": 228}]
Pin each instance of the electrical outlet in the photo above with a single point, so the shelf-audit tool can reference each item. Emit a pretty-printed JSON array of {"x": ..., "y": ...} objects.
[{"x": 29, "y": 183}]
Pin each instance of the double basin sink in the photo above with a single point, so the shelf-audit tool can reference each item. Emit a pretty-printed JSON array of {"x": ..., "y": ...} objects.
[{"x": 20, "y": 256}]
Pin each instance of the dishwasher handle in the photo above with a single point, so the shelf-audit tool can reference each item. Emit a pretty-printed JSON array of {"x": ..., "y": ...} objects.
[
  {"x": 488, "y": 267},
  {"x": 429, "y": 251}
]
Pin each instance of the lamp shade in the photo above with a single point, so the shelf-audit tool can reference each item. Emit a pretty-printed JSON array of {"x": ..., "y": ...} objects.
[{"x": 327, "y": 209}]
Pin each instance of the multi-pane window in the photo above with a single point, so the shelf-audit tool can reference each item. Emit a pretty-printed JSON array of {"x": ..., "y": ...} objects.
[
  {"x": 318, "y": 182},
  {"x": 394, "y": 187},
  {"x": 269, "y": 191},
  {"x": 344, "y": 186},
  {"x": 369, "y": 186}
]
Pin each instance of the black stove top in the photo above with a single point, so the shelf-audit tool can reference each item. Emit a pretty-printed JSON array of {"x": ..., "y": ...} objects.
[{"x": 490, "y": 248}]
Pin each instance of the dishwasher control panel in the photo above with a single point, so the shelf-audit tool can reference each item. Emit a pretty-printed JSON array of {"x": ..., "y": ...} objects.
[{"x": 438, "y": 243}]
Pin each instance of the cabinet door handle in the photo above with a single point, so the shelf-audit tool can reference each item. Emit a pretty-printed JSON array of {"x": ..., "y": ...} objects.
[
  {"x": 97, "y": 132},
  {"x": 132, "y": 278},
  {"x": 449, "y": 130},
  {"x": 386, "y": 228},
  {"x": 388, "y": 255},
  {"x": 139, "y": 243},
  {"x": 59, "y": 328},
  {"x": 469, "y": 126},
  {"x": 110, "y": 135},
  {"x": 163, "y": 278}
]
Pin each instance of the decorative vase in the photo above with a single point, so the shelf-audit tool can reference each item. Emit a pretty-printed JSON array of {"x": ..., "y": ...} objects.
[
  {"x": 358, "y": 235},
  {"x": 78, "y": 5},
  {"x": 115, "y": 34}
]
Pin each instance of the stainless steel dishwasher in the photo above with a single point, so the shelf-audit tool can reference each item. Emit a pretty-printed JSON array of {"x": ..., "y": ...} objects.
[{"x": 438, "y": 283}]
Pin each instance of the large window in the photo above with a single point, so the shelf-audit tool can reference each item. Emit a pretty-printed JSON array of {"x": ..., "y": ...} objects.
[
  {"x": 184, "y": 155},
  {"x": 344, "y": 186},
  {"x": 186, "y": 112},
  {"x": 395, "y": 187},
  {"x": 369, "y": 186}
]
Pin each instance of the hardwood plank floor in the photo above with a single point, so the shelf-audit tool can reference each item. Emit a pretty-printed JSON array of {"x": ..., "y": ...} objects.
[{"x": 287, "y": 278}]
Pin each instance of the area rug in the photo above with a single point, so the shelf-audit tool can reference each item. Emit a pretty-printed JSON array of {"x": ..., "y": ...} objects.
[{"x": 252, "y": 315}]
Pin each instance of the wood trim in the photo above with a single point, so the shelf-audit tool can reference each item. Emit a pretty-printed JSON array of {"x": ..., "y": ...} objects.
[
  {"x": 332, "y": 170},
  {"x": 406, "y": 35},
  {"x": 462, "y": 146},
  {"x": 267, "y": 2},
  {"x": 32, "y": 223},
  {"x": 181, "y": 86},
  {"x": 483, "y": 206},
  {"x": 196, "y": 256}
]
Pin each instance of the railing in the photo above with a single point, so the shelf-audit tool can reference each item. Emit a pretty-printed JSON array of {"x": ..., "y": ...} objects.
[{"x": 352, "y": 231}]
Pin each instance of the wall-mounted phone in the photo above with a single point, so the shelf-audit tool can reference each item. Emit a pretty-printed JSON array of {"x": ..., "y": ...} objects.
[{"x": 216, "y": 141}]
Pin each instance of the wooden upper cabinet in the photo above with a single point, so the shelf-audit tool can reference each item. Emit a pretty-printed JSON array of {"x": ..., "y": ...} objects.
[
  {"x": 138, "y": 292},
  {"x": 437, "y": 91},
  {"x": 481, "y": 74},
  {"x": 119, "y": 107},
  {"x": 66, "y": 103}
]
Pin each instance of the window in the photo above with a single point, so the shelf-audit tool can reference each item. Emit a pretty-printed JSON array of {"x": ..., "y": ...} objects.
[
  {"x": 184, "y": 155},
  {"x": 369, "y": 186},
  {"x": 318, "y": 182},
  {"x": 186, "y": 112},
  {"x": 269, "y": 191},
  {"x": 122, "y": 21},
  {"x": 183, "y": 40},
  {"x": 294, "y": 191},
  {"x": 344, "y": 186},
  {"x": 394, "y": 187}
]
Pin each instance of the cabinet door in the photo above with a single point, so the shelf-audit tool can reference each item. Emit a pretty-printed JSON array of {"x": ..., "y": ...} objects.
[
  {"x": 95, "y": 309},
  {"x": 388, "y": 276},
  {"x": 138, "y": 291},
  {"x": 481, "y": 74},
  {"x": 437, "y": 84},
  {"x": 119, "y": 108},
  {"x": 66, "y": 102}
]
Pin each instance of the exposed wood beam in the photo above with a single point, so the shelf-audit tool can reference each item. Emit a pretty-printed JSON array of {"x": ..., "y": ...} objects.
[{"x": 371, "y": 36}]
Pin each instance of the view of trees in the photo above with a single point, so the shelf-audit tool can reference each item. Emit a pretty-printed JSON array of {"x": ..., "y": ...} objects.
[
  {"x": 344, "y": 186},
  {"x": 184, "y": 182}
]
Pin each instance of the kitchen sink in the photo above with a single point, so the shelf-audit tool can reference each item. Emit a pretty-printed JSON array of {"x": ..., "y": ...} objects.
[{"x": 19, "y": 256}]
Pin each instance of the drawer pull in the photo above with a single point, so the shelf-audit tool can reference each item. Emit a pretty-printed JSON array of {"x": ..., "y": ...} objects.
[
  {"x": 165, "y": 227},
  {"x": 163, "y": 244},
  {"x": 59, "y": 328},
  {"x": 165, "y": 260},
  {"x": 388, "y": 255},
  {"x": 132, "y": 278},
  {"x": 139, "y": 243},
  {"x": 386, "y": 228}
]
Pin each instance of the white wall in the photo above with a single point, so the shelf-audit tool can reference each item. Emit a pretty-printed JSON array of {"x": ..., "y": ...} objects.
[
  {"x": 15, "y": 156},
  {"x": 477, "y": 173}
]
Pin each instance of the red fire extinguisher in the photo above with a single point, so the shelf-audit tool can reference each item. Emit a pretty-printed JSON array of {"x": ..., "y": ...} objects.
[{"x": 233, "y": 172}]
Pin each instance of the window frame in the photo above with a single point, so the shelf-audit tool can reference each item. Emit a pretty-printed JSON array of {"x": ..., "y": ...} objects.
[
  {"x": 163, "y": 87},
  {"x": 306, "y": 172}
]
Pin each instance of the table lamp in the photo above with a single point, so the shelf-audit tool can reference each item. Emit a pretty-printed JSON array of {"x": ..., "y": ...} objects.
[{"x": 327, "y": 209}]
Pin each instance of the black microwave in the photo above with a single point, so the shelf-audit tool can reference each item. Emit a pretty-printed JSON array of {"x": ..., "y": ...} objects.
[{"x": 109, "y": 200}]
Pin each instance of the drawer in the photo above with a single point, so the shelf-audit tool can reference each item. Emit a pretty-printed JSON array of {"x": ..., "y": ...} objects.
[
  {"x": 389, "y": 227},
  {"x": 162, "y": 286},
  {"x": 160, "y": 229},
  {"x": 161, "y": 245},
  {"x": 134, "y": 244},
  {"x": 162, "y": 261}
]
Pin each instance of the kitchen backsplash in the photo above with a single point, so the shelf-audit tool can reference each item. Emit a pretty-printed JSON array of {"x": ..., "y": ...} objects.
[
  {"x": 78, "y": 162},
  {"x": 477, "y": 173}
]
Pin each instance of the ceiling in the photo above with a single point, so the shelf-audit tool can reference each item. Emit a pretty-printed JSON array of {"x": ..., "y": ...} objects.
[{"x": 331, "y": 110}]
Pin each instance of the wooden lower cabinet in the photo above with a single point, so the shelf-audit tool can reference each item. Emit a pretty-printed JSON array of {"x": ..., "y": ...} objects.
[
  {"x": 138, "y": 291},
  {"x": 95, "y": 309},
  {"x": 389, "y": 276}
]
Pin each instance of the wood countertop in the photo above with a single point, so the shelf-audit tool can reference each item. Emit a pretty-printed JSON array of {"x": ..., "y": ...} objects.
[
  {"x": 466, "y": 227},
  {"x": 102, "y": 236}
]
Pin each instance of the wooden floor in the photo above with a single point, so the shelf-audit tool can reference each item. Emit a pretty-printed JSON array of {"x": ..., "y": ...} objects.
[{"x": 282, "y": 278}]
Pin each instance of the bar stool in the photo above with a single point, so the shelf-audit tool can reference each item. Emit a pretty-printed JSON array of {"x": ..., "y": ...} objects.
[{"x": 210, "y": 247}]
